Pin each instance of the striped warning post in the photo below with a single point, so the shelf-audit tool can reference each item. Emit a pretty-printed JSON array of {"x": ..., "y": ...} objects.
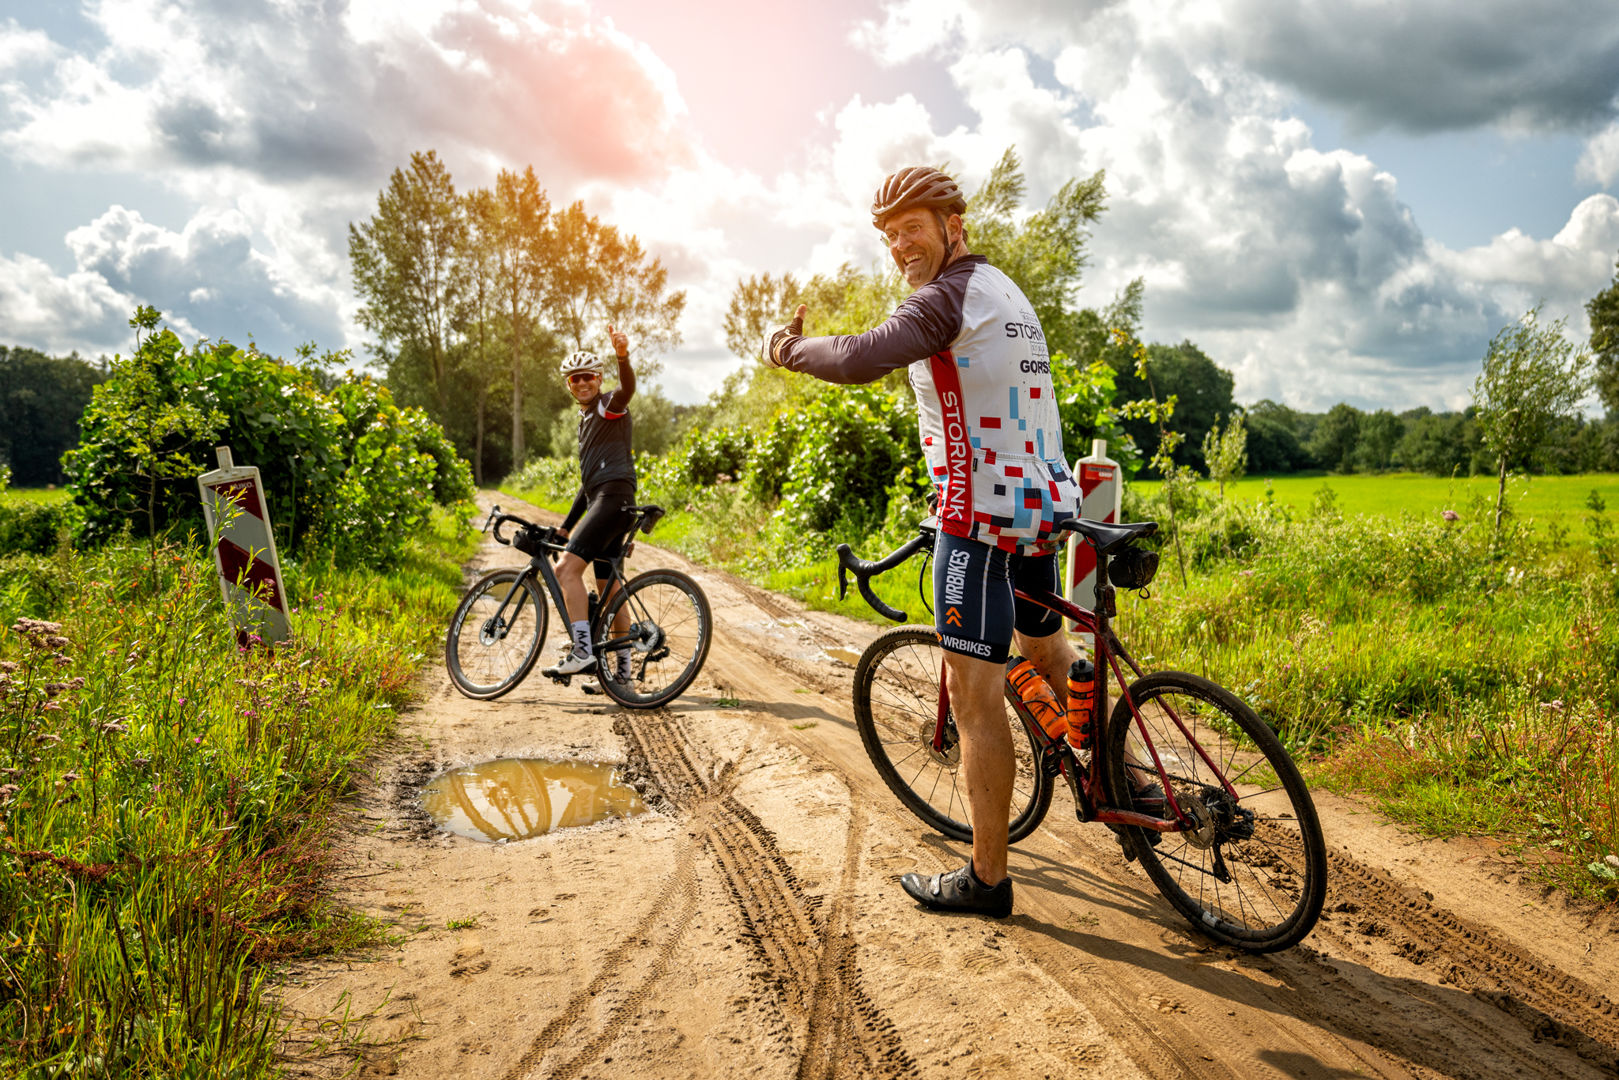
[
  {"x": 1101, "y": 492},
  {"x": 244, "y": 549}
]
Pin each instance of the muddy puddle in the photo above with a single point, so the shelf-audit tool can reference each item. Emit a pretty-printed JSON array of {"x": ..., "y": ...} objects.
[{"x": 516, "y": 798}]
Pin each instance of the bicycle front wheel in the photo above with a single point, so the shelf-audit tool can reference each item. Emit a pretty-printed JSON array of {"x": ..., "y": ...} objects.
[
  {"x": 496, "y": 634},
  {"x": 660, "y": 643},
  {"x": 1249, "y": 868},
  {"x": 896, "y": 708}
]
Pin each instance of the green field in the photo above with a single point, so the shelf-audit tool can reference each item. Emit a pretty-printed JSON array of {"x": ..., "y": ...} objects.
[
  {"x": 37, "y": 495},
  {"x": 1536, "y": 500}
]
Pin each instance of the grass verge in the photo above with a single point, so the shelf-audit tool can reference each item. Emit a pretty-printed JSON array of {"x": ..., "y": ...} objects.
[{"x": 166, "y": 795}]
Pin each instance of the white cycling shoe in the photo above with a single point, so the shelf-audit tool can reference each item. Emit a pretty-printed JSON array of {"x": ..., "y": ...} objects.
[{"x": 573, "y": 664}]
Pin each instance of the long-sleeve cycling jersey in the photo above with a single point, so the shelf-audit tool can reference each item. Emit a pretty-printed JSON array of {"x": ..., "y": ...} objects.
[{"x": 988, "y": 412}]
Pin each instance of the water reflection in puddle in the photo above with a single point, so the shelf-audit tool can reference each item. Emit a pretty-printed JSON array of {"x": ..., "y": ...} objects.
[
  {"x": 521, "y": 797},
  {"x": 848, "y": 656}
]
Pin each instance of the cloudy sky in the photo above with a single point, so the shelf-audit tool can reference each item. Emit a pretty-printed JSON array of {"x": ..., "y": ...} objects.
[{"x": 1336, "y": 200}]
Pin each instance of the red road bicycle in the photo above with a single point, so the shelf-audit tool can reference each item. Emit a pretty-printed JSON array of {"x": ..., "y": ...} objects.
[{"x": 1195, "y": 784}]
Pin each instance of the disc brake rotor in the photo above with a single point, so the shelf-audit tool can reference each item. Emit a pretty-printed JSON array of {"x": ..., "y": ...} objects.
[{"x": 950, "y": 756}]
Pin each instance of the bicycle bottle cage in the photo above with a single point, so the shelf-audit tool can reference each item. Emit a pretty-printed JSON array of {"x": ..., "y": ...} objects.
[
  {"x": 530, "y": 540},
  {"x": 1133, "y": 568}
]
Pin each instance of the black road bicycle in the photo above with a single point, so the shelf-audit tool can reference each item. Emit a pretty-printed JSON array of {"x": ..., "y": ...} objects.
[{"x": 660, "y": 619}]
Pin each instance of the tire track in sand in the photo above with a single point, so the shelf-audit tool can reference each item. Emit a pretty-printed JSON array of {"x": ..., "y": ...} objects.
[{"x": 806, "y": 956}]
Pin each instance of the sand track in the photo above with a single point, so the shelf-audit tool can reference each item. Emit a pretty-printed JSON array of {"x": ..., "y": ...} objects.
[{"x": 751, "y": 925}]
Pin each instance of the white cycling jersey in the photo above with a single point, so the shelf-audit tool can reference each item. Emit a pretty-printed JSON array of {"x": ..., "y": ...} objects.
[{"x": 988, "y": 412}]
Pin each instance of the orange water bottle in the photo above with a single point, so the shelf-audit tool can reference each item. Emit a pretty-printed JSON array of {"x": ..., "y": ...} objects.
[
  {"x": 1037, "y": 697},
  {"x": 1081, "y": 699}
]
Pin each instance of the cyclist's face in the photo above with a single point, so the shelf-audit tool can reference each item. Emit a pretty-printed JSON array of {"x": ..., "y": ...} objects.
[
  {"x": 584, "y": 386},
  {"x": 918, "y": 247}
]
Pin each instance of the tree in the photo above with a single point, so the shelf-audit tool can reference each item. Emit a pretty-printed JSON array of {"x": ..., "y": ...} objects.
[
  {"x": 1379, "y": 435},
  {"x": 1532, "y": 375},
  {"x": 1273, "y": 440},
  {"x": 409, "y": 277},
  {"x": 758, "y": 303},
  {"x": 41, "y": 400},
  {"x": 516, "y": 223},
  {"x": 1044, "y": 253},
  {"x": 603, "y": 277},
  {"x": 1603, "y": 312},
  {"x": 1336, "y": 438},
  {"x": 479, "y": 308},
  {"x": 1226, "y": 452},
  {"x": 1200, "y": 387}
]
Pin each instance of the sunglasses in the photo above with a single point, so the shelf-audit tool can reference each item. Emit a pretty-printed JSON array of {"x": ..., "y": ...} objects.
[{"x": 583, "y": 376}]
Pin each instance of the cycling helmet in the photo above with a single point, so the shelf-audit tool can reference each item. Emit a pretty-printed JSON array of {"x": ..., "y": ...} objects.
[
  {"x": 581, "y": 361},
  {"x": 917, "y": 186}
]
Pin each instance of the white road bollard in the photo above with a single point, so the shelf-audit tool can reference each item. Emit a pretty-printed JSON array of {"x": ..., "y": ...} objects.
[
  {"x": 1101, "y": 491},
  {"x": 244, "y": 549}
]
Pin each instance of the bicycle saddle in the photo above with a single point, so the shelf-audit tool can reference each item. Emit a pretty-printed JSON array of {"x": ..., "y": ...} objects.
[{"x": 1108, "y": 538}]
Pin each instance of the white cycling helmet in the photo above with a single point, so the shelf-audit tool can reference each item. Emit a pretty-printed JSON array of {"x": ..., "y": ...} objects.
[{"x": 581, "y": 361}]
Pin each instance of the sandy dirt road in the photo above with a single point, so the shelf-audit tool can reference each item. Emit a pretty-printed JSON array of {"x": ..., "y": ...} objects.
[{"x": 751, "y": 926}]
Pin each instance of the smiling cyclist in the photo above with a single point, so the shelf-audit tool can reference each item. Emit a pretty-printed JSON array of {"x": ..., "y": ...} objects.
[
  {"x": 597, "y": 524},
  {"x": 978, "y": 365}
]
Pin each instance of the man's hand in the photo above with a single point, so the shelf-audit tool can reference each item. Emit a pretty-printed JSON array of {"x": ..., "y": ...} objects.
[
  {"x": 777, "y": 340},
  {"x": 621, "y": 344}
]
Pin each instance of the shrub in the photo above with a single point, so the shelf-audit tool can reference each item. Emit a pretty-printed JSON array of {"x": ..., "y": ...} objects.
[
  {"x": 349, "y": 471},
  {"x": 31, "y": 528},
  {"x": 849, "y": 449}
]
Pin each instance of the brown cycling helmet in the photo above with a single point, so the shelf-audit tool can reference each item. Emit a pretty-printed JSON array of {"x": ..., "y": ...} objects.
[{"x": 917, "y": 186}]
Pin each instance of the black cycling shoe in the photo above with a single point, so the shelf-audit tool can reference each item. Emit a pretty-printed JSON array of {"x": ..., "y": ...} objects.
[
  {"x": 960, "y": 890},
  {"x": 1147, "y": 799}
]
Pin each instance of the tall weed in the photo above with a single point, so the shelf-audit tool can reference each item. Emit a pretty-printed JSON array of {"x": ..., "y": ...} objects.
[{"x": 165, "y": 798}]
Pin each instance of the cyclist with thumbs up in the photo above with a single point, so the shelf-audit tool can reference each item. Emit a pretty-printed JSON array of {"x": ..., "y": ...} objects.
[{"x": 597, "y": 524}]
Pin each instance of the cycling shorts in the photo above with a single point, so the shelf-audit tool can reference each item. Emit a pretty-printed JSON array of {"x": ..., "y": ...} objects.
[
  {"x": 973, "y": 606},
  {"x": 599, "y": 536}
]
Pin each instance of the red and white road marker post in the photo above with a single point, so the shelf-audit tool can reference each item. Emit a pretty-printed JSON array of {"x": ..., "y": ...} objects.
[
  {"x": 244, "y": 549},
  {"x": 1101, "y": 494}
]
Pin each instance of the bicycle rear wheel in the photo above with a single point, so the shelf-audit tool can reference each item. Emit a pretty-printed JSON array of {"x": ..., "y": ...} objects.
[
  {"x": 896, "y": 708},
  {"x": 1251, "y": 870},
  {"x": 667, "y": 640},
  {"x": 496, "y": 634}
]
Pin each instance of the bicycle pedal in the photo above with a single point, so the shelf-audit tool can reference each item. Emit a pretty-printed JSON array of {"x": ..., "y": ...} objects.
[
  {"x": 560, "y": 680},
  {"x": 591, "y": 688},
  {"x": 1129, "y": 848}
]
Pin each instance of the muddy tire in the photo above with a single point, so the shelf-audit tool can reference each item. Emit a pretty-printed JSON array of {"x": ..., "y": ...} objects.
[
  {"x": 496, "y": 634},
  {"x": 1250, "y": 871},
  {"x": 669, "y": 631}
]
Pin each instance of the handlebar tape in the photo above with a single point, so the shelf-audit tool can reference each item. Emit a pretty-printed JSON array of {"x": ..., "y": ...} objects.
[{"x": 864, "y": 571}]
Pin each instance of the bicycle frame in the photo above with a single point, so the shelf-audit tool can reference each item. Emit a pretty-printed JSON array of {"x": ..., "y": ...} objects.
[
  {"x": 1088, "y": 785},
  {"x": 553, "y": 586}
]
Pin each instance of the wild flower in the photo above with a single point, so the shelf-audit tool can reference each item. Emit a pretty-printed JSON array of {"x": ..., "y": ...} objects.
[
  {"x": 1450, "y": 515},
  {"x": 8, "y": 792}
]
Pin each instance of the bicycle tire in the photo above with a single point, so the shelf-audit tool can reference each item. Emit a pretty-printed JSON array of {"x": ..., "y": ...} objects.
[
  {"x": 1275, "y": 862},
  {"x": 896, "y": 703},
  {"x": 484, "y": 660},
  {"x": 672, "y": 628}
]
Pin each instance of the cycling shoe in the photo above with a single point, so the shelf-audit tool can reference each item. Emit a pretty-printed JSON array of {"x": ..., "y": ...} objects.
[{"x": 960, "y": 890}]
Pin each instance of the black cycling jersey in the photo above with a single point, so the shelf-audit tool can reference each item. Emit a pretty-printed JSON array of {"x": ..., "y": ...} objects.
[{"x": 604, "y": 435}]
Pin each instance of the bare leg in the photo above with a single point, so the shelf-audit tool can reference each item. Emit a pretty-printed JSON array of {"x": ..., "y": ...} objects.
[
  {"x": 986, "y": 757},
  {"x": 571, "y": 576}
]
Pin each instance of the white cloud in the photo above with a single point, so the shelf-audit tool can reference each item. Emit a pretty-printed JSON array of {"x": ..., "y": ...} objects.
[
  {"x": 60, "y": 314},
  {"x": 1599, "y": 161},
  {"x": 1296, "y": 266}
]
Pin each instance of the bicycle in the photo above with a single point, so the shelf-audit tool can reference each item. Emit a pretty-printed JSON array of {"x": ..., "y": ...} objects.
[
  {"x": 499, "y": 627},
  {"x": 1195, "y": 784}
]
